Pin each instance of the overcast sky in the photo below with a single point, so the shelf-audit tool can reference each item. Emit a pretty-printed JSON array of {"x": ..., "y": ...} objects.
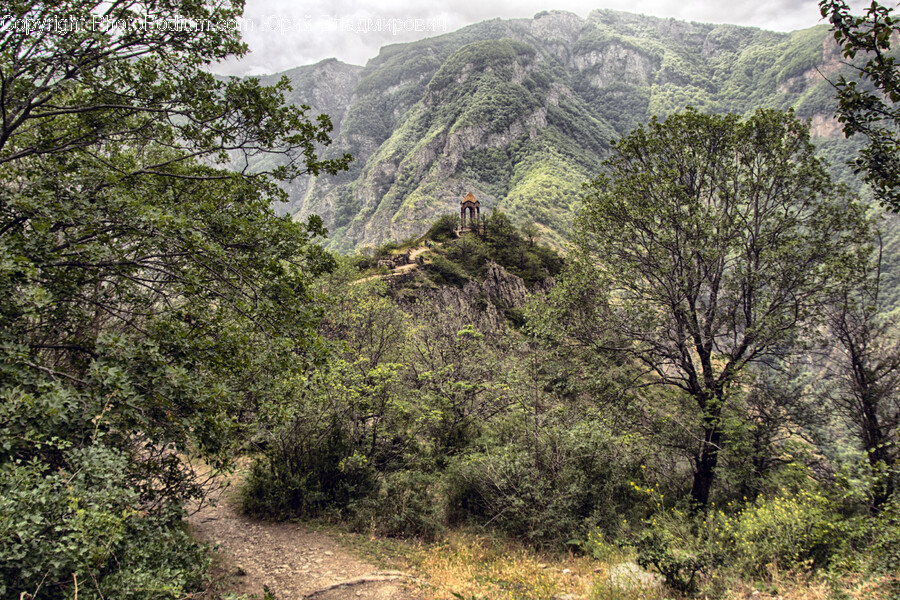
[{"x": 287, "y": 33}]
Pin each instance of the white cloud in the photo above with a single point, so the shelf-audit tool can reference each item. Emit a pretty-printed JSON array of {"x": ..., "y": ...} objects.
[{"x": 286, "y": 33}]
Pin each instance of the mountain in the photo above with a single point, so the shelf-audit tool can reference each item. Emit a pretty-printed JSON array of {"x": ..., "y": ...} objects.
[{"x": 521, "y": 112}]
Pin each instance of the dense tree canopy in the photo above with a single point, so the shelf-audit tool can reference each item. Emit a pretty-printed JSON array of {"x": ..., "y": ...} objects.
[
  {"x": 150, "y": 300},
  {"x": 717, "y": 239}
]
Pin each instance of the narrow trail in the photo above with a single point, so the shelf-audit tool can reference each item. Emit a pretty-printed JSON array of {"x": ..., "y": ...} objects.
[
  {"x": 401, "y": 269},
  {"x": 294, "y": 563}
]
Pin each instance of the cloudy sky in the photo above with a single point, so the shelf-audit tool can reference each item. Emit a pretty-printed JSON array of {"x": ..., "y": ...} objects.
[{"x": 287, "y": 33}]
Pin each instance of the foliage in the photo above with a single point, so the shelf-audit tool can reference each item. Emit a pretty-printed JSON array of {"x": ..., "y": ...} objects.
[
  {"x": 406, "y": 505},
  {"x": 516, "y": 252},
  {"x": 783, "y": 532},
  {"x": 719, "y": 272},
  {"x": 343, "y": 423},
  {"x": 151, "y": 299},
  {"x": 84, "y": 525},
  {"x": 551, "y": 480},
  {"x": 870, "y": 109},
  {"x": 488, "y": 55},
  {"x": 443, "y": 229},
  {"x": 865, "y": 377},
  {"x": 447, "y": 272},
  {"x": 885, "y": 545}
]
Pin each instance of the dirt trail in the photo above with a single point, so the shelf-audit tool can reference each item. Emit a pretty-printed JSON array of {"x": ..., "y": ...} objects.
[
  {"x": 293, "y": 562},
  {"x": 401, "y": 269}
]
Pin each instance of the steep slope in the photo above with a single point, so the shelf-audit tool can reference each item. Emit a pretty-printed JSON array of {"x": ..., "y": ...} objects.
[{"x": 521, "y": 112}]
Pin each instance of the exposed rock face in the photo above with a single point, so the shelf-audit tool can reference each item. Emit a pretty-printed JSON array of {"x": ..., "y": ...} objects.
[
  {"x": 482, "y": 303},
  {"x": 557, "y": 25},
  {"x": 616, "y": 64},
  {"x": 825, "y": 126}
]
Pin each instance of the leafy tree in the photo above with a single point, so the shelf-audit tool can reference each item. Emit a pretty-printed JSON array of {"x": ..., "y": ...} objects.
[
  {"x": 867, "y": 394},
  {"x": 150, "y": 300},
  {"x": 76, "y": 75},
  {"x": 869, "y": 106},
  {"x": 715, "y": 239}
]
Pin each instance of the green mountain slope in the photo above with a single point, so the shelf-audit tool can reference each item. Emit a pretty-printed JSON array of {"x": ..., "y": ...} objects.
[{"x": 521, "y": 112}]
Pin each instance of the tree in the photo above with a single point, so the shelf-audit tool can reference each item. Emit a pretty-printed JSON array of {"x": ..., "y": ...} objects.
[
  {"x": 151, "y": 300},
  {"x": 869, "y": 107},
  {"x": 867, "y": 394},
  {"x": 76, "y": 73},
  {"x": 716, "y": 239}
]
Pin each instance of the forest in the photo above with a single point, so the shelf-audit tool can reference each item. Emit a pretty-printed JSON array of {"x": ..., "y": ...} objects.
[{"x": 702, "y": 385}]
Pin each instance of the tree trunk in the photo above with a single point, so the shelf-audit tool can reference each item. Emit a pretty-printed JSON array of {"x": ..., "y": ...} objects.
[
  {"x": 705, "y": 466},
  {"x": 879, "y": 458}
]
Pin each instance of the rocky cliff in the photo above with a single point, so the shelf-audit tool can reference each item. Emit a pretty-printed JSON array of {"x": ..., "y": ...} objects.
[{"x": 484, "y": 303}]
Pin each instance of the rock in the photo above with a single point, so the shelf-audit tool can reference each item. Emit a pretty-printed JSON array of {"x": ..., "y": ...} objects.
[
  {"x": 483, "y": 301},
  {"x": 629, "y": 575},
  {"x": 568, "y": 597}
]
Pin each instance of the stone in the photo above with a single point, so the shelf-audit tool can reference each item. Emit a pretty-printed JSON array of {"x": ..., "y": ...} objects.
[{"x": 629, "y": 575}]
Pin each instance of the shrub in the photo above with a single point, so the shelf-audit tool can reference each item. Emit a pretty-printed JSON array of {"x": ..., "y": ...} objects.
[
  {"x": 505, "y": 489},
  {"x": 679, "y": 545},
  {"x": 82, "y": 523},
  {"x": 800, "y": 532},
  {"x": 444, "y": 271},
  {"x": 883, "y": 537},
  {"x": 298, "y": 479},
  {"x": 404, "y": 505},
  {"x": 658, "y": 548},
  {"x": 544, "y": 494},
  {"x": 444, "y": 229}
]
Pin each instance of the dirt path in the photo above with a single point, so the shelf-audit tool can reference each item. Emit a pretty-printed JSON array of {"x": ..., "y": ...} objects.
[
  {"x": 293, "y": 562},
  {"x": 401, "y": 269}
]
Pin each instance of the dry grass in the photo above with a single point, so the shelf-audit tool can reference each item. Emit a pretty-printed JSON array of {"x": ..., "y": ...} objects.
[
  {"x": 473, "y": 565},
  {"x": 480, "y": 567}
]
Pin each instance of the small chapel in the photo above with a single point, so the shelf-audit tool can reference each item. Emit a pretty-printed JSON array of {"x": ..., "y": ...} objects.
[{"x": 469, "y": 204}]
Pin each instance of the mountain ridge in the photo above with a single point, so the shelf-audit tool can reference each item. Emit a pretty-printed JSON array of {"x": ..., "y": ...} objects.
[{"x": 520, "y": 112}]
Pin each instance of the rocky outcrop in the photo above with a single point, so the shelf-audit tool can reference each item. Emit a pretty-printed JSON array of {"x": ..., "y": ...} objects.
[
  {"x": 483, "y": 303},
  {"x": 616, "y": 63}
]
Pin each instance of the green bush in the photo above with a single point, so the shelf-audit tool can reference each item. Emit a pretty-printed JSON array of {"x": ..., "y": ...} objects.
[
  {"x": 298, "y": 479},
  {"x": 658, "y": 547},
  {"x": 504, "y": 488},
  {"x": 885, "y": 545},
  {"x": 545, "y": 490},
  {"x": 406, "y": 504},
  {"x": 447, "y": 272},
  {"x": 83, "y": 523},
  {"x": 444, "y": 229},
  {"x": 799, "y": 532}
]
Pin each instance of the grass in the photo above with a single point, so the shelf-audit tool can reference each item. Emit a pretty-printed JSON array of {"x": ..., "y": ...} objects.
[{"x": 473, "y": 565}]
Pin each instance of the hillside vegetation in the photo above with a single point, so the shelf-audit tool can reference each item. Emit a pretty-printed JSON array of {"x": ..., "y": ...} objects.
[{"x": 522, "y": 112}]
